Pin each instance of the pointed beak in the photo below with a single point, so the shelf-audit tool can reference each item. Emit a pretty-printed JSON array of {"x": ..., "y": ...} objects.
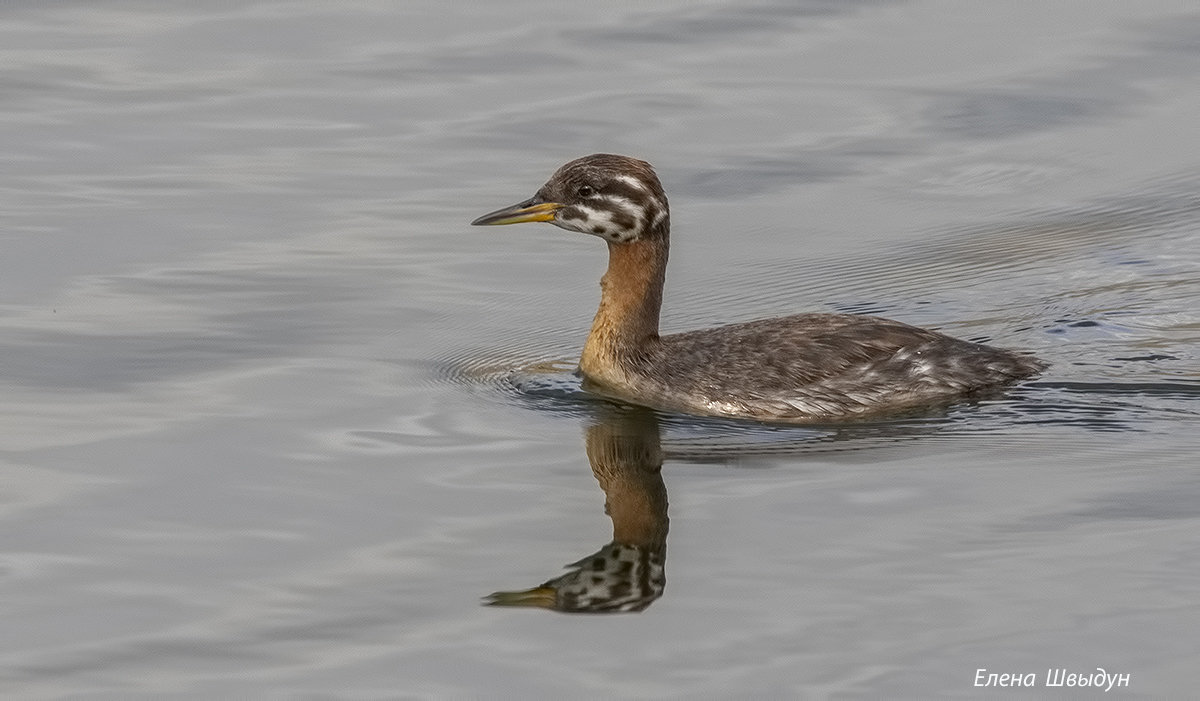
[
  {"x": 529, "y": 210},
  {"x": 540, "y": 597}
]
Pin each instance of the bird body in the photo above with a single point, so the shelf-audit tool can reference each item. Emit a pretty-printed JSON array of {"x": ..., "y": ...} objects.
[{"x": 794, "y": 369}]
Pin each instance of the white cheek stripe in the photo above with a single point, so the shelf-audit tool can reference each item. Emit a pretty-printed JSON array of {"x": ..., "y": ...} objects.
[
  {"x": 630, "y": 208},
  {"x": 637, "y": 185},
  {"x": 592, "y": 219},
  {"x": 632, "y": 182},
  {"x": 603, "y": 219}
]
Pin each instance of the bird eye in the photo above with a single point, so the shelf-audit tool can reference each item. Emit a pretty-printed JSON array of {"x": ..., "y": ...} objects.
[{"x": 586, "y": 191}]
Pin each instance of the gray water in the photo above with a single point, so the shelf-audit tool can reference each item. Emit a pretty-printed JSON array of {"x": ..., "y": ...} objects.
[{"x": 274, "y": 419}]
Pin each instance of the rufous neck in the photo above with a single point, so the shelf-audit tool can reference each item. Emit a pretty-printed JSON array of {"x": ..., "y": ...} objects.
[{"x": 630, "y": 300}]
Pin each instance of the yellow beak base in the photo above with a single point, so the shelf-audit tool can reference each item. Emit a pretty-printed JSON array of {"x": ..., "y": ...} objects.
[
  {"x": 539, "y": 597},
  {"x": 520, "y": 213}
]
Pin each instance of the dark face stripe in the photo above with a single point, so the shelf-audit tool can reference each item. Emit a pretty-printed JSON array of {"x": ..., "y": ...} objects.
[
  {"x": 629, "y": 192},
  {"x": 623, "y": 220},
  {"x": 623, "y": 194}
]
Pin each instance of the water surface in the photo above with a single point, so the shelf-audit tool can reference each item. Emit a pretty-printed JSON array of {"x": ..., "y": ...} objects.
[{"x": 274, "y": 419}]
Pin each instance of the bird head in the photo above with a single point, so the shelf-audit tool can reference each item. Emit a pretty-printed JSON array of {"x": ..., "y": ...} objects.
[{"x": 614, "y": 197}]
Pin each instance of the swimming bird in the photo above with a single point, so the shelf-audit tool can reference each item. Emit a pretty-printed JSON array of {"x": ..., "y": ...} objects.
[{"x": 804, "y": 368}]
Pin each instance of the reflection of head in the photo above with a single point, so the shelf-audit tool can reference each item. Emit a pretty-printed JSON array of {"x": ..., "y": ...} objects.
[
  {"x": 629, "y": 573},
  {"x": 619, "y": 578}
]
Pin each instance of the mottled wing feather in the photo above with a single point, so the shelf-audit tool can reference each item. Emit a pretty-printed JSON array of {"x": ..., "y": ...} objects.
[{"x": 823, "y": 364}]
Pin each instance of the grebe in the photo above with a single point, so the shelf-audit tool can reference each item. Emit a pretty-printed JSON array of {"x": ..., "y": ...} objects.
[{"x": 794, "y": 369}]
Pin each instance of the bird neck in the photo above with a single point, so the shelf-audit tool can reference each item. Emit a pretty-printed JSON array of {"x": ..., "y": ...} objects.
[{"x": 630, "y": 301}]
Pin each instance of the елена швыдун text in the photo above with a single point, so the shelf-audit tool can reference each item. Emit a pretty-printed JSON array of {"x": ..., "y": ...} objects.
[{"x": 1054, "y": 677}]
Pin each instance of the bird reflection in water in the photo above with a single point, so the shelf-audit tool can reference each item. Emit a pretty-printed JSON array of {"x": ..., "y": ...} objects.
[
  {"x": 625, "y": 449},
  {"x": 628, "y": 574}
]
